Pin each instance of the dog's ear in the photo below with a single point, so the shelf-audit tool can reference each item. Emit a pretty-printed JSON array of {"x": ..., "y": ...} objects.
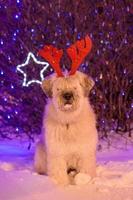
[
  {"x": 47, "y": 87},
  {"x": 87, "y": 84}
]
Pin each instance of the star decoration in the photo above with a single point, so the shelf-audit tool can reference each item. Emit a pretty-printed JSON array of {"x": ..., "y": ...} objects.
[{"x": 29, "y": 57}]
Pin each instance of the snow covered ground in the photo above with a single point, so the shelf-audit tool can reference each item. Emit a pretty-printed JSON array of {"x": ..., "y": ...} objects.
[{"x": 18, "y": 181}]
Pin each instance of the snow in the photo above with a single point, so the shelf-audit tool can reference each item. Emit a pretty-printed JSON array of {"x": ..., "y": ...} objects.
[
  {"x": 82, "y": 179},
  {"x": 18, "y": 181}
]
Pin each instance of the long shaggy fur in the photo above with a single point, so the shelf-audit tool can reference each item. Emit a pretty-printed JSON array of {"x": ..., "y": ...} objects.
[{"x": 69, "y": 135}]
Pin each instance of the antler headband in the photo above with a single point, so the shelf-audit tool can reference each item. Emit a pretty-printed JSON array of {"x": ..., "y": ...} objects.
[{"x": 77, "y": 52}]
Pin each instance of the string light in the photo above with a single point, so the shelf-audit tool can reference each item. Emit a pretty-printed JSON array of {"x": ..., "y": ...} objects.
[
  {"x": 96, "y": 79},
  {"x": 101, "y": 76},
  {"x": 19, "y": 68},
  {"x": 12, "y": 87},
  {"x": 58, "y": 14},
  {"x": 16, "y": 112},
  {"x": 79, "y": 36},
  {"x": 17, "y": 129},
  {"x": 15, "y": 34},
  {"x": 128, "y": 9},
  {"x": 8, "y": 116},
  {"x": 32, "y": 30},
  {"x": 9, "y": 58},
  {"x": 5, "y": 99},
  {"x": 1, "y": 42},
  {"x": 1, "y": 72},
  {"x": 122, "y": 93},
  {"x": 125, "y": 71},
  {"x": 16, "y": 16},
  {"x": 68, "y": 44},
  {"x": 98, "y": 52}
]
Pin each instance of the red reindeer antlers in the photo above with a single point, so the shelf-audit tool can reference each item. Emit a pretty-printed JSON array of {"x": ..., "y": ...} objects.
[
  {"x": 77, "y": 52},
  {"x": 53, "y": 56}
]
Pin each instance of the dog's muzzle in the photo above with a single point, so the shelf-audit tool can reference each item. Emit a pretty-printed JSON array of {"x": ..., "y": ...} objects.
[{"x": 68, "y": 98}]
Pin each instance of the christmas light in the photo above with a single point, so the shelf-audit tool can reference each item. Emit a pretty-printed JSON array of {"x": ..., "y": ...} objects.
[
  {"x": 9, "y": 58},
  {"x": 19, "y": 68},
  {"x": 1, "y": 42},
  {"x": 17, "y": 129},
  {"x": 124, "y": 71},
  {"x": 68, "y": 44},
  {"x": 98, "y": 52},
  {"x": 5, "y": 99},
  {"x": 8, "y": 116},
  {"x": 15, "y": 34},
  {"x": 16, "y": 16},
  {"x": 101, "y": 76},
  {"x": 32, "y": 30},
  {"x": 1, "y": 72},
  {"x": 12, "y": 87},
  {"x": 53, "y": 42}
]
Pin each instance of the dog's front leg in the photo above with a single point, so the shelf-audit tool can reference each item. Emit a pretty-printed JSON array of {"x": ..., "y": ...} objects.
[
  {"x": 87, "y": 165},
  {"x": 40, "y": 158},
  {"x": 57, "y": 170}
]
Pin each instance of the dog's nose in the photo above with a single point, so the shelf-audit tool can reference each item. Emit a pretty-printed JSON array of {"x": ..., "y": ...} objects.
[{"x": 67, "y": 95}]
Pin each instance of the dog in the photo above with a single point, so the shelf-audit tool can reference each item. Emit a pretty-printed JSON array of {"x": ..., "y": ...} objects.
[{"x": 69, "y": 135}]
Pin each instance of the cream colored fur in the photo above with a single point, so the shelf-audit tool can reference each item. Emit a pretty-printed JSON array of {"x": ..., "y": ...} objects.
[{"x": 69, "y": 137}]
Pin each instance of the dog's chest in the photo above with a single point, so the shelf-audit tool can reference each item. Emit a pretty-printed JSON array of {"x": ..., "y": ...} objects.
[
  {"x": 68, "y": 138},
  {"x": 66, "y": 134}
]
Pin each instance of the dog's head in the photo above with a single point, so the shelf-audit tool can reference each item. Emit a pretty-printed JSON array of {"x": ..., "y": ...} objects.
[{"x": 68, "y": 93}]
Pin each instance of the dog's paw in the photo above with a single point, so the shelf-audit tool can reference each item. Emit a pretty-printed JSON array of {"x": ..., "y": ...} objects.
[
  {"x": 82, "y": 179},
  {"x": 60, "y": 182}
]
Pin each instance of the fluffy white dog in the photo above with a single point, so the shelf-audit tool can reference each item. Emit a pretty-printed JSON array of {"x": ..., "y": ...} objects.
[{"x": 69, "y": 134}]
